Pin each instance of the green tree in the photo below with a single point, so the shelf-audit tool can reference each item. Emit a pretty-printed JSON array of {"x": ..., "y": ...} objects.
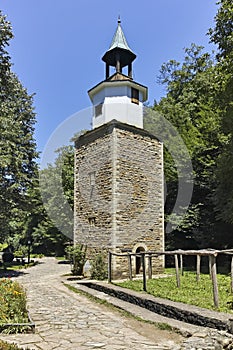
[
  {"x": 189, "y": 106},
  {"x": 17, "y": 146},
  {"x": 222, "y": 33},
  {"x": 55, "y": 198},
  {"x": 222, "y": 36}
]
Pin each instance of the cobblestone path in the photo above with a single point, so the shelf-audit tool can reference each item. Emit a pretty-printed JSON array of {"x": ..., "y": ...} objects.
[{"x": 66, "y": 320}]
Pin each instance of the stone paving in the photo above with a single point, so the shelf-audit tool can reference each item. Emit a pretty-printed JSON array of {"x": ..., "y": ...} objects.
[
  {"x": 66, "y": 320},
  {"x": 69, "y": 321}
]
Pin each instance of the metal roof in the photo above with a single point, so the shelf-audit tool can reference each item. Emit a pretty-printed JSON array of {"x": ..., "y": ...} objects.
[{"x": 119, "y": 39}]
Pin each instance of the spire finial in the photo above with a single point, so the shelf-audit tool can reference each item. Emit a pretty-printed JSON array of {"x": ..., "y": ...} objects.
[{"x": 119, "y": 19}]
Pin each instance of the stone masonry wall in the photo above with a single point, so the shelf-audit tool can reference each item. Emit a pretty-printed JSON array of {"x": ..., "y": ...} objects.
[
  {"x": 119, "y": 192},
  {"x": 139, "y": 198},
  {"x": 93, "y": 193}
]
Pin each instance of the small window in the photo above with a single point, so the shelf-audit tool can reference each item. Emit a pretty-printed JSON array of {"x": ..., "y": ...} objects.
[
  {"x": 92, "y": 221},
  {"x": 92, "y": 178},
  {"x": 98, "y": 109},
  {"x": 135, "y": 96}
]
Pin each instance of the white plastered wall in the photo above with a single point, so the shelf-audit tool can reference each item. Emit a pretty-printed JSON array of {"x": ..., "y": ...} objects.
[{"x": 116, "y": 101}]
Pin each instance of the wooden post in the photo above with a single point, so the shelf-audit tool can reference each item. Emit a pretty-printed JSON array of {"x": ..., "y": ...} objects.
[
  {"x": 181, "y": 265},
  {"x": 130, "y": 73},
  {"x": 130, "y": 266},
  {"x": 232, "y": 274},
  {"x": 177, "y": 271},
  {"x": 198, "y": 267},
  {"x": 149, "y": 266},
  {"x": 210, "y": 267},
  {"x": 118, "y": 63},
  {"x": 144, "y": 271},
  {"x": 212, "y": 260},
  {"x": 107, "y": 71},
  {"x": 109, "y": 267}
]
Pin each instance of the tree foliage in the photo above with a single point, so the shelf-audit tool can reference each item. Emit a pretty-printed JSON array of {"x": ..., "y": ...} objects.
[
  {"x": 17, "y": 146},
  {"x": 222, "y": 33},
  {"x": 199, "y": 103},
  {"x": 222, "y": 36},
  {"x": 55, "y": 196},
  {"x": 190, "y": 106}
]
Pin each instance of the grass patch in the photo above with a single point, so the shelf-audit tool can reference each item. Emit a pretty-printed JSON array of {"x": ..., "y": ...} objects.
[
  {"x": 190, "y": 292},
  {"x": 37, "y": 256},
  {"x": 20, "y": 266},
  {"x": 91, "y": 297},
  {"x": 12, "y": 304}
]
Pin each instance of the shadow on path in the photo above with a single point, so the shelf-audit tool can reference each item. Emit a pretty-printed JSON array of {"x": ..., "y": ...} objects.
[
  {"x": 65, "y": 262},
  {"x": 11, "y": 273}
]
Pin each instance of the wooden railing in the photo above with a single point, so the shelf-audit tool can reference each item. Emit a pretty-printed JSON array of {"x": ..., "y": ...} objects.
[{"x": 210, "y": 253}]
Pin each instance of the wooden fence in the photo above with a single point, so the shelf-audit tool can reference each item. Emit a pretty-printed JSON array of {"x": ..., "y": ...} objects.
[{"x": 210, "y": 253}]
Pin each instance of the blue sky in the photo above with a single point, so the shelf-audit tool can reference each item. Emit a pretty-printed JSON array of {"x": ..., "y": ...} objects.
[{"x": 58, "y": 47}]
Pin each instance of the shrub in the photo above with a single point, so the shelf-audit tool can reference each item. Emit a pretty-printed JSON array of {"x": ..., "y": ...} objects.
[
  {"x": 12, "y": 302},
  {"x": 99, "y": 267},
  {"x": 77, "y": 256},
  {"x": 7, "y": 257},
  {"x": 21, "y": 251}
]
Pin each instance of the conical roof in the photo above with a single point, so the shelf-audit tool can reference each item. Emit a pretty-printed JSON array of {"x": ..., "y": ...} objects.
[
  {"x": 119, "y": 46},
  {"x": 119, "y": 39}
]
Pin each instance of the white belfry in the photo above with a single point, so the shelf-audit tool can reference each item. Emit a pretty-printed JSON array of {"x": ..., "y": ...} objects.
[{"x": 118, "y": 97}]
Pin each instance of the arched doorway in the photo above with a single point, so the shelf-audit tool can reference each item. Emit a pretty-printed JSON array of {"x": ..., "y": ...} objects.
[{"x": 139, "y": 259}]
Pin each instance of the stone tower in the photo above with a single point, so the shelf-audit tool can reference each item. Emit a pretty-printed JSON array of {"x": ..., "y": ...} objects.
[{"x": 119, "y": 169}]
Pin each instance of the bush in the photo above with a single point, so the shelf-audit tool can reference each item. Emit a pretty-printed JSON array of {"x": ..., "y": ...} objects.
[
  {"x": 21, "y": 251},
  {"x": 12, "y": 302},
  {"x": 99, "y": 268},
  {"x": 77, "y": 256},
  {"x": 7, "y": 257}
]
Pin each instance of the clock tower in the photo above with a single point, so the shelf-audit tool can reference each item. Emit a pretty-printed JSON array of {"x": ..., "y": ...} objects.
[{"x": 118, "y": 203}]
